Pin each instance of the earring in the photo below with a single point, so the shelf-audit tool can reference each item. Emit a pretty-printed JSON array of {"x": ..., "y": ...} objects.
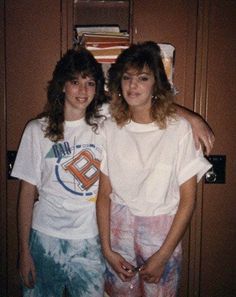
[{"x": 154, "y": 97}]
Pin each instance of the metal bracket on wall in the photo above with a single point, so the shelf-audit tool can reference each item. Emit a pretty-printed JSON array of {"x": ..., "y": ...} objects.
[{"x": 216, "y": 175}]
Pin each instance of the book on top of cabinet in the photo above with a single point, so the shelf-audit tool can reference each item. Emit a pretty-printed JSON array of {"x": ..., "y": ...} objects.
[
  {"x": 90, "y": 39},
  {"x": 80, "y": 30}
]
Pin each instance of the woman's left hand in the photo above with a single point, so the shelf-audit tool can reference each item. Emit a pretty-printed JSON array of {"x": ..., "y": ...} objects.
[
  {"x": 153, "y": 269},
  {"x": 203, "y": 134}
]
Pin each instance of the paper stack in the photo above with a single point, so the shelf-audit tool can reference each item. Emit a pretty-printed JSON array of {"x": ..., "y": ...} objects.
[{"x": 104, "y": 42}]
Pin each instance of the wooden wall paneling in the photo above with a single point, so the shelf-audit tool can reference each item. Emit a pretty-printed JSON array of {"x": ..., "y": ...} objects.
[
  {"x": 3, "y": 217},
  {"x": 199, "y": 106},
  {"x": 218, "y": 93},
  {"x": 67, "y": 17},
  {"x": 172, "y": 22},
  {"x": 33, "y": 41},
  {"x": 33, "y": 47}
]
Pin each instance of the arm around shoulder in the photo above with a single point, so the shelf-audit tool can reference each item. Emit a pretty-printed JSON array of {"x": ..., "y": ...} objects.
[{"x": 202, "y": 132}]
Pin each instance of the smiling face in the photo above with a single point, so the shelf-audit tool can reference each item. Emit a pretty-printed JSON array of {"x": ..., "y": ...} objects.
[
  {"x": 137, "y": 88},
  {"x": 79, "y": 93}
]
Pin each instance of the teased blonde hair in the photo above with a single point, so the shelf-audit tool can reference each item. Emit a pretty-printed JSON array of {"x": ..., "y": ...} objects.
[{"x": 138, "y": 56}]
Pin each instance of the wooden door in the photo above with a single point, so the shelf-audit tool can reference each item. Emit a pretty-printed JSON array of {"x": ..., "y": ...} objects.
[
  {"x": 34, "y": 39},
  {"x": 216, "y": 73},
  {"x": 3, "y": 264}
]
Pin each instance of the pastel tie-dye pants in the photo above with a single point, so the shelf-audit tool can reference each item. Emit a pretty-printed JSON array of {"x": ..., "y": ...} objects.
[
  {"x": 75, "y": 264},
  {"x": 136, "y": 239}
]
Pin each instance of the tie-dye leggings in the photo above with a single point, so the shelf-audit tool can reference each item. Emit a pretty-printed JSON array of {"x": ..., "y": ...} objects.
[
  {"x": 75, "y": 264},
  {"x": 136, "y": 239}
]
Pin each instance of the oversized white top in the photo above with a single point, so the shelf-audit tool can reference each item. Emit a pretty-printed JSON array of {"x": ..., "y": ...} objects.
[
  {"x": 147, "y": 165},
  {"x": 66, "y": 175}
]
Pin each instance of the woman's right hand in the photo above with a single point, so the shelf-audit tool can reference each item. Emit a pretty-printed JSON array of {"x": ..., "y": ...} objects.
[
  {"x": 27, "y": 269},
  {"x": 123, "y": 268}
]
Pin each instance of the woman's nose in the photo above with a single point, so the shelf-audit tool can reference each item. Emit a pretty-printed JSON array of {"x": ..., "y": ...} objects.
[
  {"x": 133, "y": 82},
  {"x": 82, "y": 88}
]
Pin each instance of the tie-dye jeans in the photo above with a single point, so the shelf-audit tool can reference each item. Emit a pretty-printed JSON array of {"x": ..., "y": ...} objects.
[
  {"x": 77, "y": 265},
  {"x": 136, "y": 239}
]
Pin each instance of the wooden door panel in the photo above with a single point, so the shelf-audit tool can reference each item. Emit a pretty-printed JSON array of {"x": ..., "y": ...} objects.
[
  {"x": 218, "y": 244},
  {"x": 171, "y": 22},
  {"x": 33, "y": 45}
]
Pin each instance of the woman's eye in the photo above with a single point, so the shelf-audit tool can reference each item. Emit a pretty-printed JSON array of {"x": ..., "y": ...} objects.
[
  {"x": 143, "y": 78},
  {"x": 125, "y": 77},
  {"x": 91, "y": 84},
  {"x": 74, "y": 82}
]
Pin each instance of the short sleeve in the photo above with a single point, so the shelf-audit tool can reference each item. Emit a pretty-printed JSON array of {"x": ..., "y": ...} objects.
[
  {"x": 28, "y": 159},
  {"x": 190, "y": 161}
]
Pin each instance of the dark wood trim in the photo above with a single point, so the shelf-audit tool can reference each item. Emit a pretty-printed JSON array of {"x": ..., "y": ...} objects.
[
  {"x": 187, "y": 97},
  {"x": 3, "y": 182},
  {"x": 131, "y": 19},
  {"x": 200, "y": 106},
  {"x": 66, "y": 25},
  {"x": 200, "y": 101}
]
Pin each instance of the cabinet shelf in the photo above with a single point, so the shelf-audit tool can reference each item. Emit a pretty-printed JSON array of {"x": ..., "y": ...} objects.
[{"x": 96, "y": 12}]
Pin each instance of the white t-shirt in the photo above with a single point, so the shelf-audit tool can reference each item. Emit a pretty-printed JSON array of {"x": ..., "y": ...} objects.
[
  {"x": 147, "y": 165},
  {"x": 66, "y": 175}
]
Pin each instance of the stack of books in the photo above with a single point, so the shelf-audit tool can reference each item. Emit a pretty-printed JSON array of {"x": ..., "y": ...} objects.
[
  {"x": 104, "y": 42},
  {"x": 105, "y": 46},
  {"x": 80, "y": 30}
]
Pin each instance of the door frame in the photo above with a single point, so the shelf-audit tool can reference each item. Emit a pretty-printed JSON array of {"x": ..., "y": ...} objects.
[{"x": 3, "y": 176}]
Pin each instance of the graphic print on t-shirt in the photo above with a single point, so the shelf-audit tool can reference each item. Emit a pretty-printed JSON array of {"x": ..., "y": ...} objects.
[
  {"x": 84, "y": 167},
  {"x": 77, "y": 167}
]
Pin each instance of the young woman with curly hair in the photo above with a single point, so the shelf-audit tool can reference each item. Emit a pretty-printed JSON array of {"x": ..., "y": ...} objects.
[
  {"x": 148, "y": 178},
  {"x": 58, "y": 163}
]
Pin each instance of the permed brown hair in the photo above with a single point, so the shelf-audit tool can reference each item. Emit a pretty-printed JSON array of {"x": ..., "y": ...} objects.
[
  {"x": 74, "y": 62},
  {"x": 138, "y": 56}
]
